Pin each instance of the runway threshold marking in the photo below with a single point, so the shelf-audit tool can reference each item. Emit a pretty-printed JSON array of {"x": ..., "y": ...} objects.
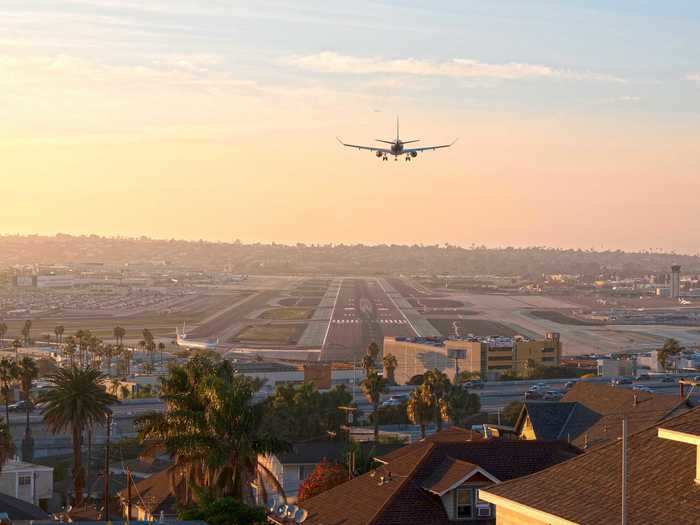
[
  {"x": 330, "y": 321},
  {"x": 397, "y": 308}
]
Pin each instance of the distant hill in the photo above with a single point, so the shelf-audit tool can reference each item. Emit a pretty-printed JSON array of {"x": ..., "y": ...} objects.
[{"x": 334, "y": 259}]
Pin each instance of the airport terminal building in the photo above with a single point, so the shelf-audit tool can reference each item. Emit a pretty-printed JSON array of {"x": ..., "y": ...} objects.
[{"x": 489, "y": 356}]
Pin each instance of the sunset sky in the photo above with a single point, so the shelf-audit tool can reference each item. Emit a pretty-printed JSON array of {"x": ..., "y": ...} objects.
[{"x": 578, "y": 120}]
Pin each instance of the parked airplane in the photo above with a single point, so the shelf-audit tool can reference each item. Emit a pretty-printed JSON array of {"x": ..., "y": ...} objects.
[
  {"x": 184, "y": 341},
  {"x": 396, "y": 147}
]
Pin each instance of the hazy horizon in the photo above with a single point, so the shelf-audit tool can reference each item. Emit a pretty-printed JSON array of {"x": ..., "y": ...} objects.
[{"x": 578, "y": 122}]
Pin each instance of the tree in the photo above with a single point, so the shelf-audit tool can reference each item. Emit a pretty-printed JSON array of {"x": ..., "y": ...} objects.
[
  {"x": 324, "y": 477},
  {"x": 373, "y": 351},
  {"x": 3, "y": 332},
  {"x": 58, "y": 331},
  {"x": 367, "y": 364},
  {"x": 461, "y": 403},
  {"x": 26, "y": 331},
  {"x": 161, "y": 349},
  {"x": 16, "y": 344},
  {"x": 148, "y": 368},
  {"x": 420, "y": 408},
  {"x": 69, "y": 349},
  {"x": 119, "y": 334},
  {"x": 7, "y": 445},
  {"x": 76, "y": 399},
  {"x": 510, "y": 413},
  {"x": 27, "y": 371},
  {"x": 373, "y": 387},
  {"x": 222, "y": 511},
  {"x": 437, "y": 385},
  {"x": 390, "y": 364},
  {"x": 8, "y": 375},
  {"x": 670, "y": 349},
  {"x": 213, "y": 430}
]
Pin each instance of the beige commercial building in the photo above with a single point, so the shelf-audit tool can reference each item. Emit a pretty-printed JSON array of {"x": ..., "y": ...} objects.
[{"x": 489, "y": 356}]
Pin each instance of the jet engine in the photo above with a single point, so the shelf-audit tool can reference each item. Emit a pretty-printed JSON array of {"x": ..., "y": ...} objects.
[
  {"x": 414, "y": 154},
  {"x": 379, "y": 154}
]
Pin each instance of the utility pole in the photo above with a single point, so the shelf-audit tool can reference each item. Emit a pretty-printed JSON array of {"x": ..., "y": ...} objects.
[
  {"x": 106, "y": 487},
  {"x": 128, "y": 494},
  {"x": 624, "y": 471}
]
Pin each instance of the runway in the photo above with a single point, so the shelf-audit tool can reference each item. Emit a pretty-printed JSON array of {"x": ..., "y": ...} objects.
[{"x": 363, "y": 312}]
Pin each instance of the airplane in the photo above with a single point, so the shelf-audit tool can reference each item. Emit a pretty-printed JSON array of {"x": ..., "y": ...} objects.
[
  {"x": 183, "y": 341},
  {"x": 396, "y": 147}
]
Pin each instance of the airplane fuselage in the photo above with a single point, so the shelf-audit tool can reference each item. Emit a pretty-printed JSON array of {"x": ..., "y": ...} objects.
[{"x": 396, "y": 148}]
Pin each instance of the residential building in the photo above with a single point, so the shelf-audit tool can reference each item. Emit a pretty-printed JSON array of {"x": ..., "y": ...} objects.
[
  {"x": 152, "y": 496},
  {"x": 291, "y": 468},
  {"x": 19, "y": 510},
  {"x": 662, "y": 482},
  {"x": 27, "y": 481},
  {"x": 434, "y": 481},
  {"x": 489, "y": 356},
  {"x": 590, "y": 413}
]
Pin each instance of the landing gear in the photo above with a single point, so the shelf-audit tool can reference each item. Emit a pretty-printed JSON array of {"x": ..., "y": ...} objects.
[
  {"x": 385, "y": 157},
  {"x": 408, "y": 158}
]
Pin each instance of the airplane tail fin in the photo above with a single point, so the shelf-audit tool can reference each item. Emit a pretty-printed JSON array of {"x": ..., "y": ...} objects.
[{"x": 397, "y": 128}]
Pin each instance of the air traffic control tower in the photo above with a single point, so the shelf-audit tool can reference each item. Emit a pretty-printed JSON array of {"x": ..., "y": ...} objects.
[{"x": 675, "y": 281}]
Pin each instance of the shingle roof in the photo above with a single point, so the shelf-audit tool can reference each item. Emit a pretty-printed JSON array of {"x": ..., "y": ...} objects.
[
  {"x": 154, "y": 490},
  {"x": 18, "y": 509},
  {"x": 316, "y": 450},
  {"x": 449, "y": 472},
  {"x": 587, "y": 489},
  {"x": 590, "y": 413},
  {"x": 548, "y": 417},
  {"x": 404, "y": 499}
]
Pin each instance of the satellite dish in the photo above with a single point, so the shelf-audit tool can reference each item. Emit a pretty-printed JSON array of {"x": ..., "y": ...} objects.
[
  {"x": 292, "y": 510},
  {"x": 301, "y": 515}
]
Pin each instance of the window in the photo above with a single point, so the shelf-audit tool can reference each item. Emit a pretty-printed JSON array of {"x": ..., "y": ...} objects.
[
  {"x": 25, "y": 481},
  {"x": 548, "y": 349},
  {"x": 305, "y": 471},
  {"x": 463, "y": 504},
  {"x": 547, "y": 359},
  {"x": 500, "y": 358}
]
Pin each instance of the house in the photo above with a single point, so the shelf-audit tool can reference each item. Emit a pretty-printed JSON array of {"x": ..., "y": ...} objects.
[
  {"x": 20, "y": 510},
  {"x": 27, "y": 481},
  {"x": 432, "y": 482},
  {"x": 151, "y": 496},
  {"x": 291, "y": 468},
  {"x": 663, "y": 482},
  {"x": 590, "y": 414}
]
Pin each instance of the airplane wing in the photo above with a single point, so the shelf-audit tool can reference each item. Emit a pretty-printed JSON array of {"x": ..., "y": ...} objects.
[
  {"x": 368, "y": 148},
  {"x": 428, "y": 148}
]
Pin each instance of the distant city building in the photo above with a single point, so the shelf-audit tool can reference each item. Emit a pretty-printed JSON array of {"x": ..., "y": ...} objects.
[
  {"x": 675, "y": 281},
  {"x": 489, "y": 356},
  {"x": 617, "y": 367}
]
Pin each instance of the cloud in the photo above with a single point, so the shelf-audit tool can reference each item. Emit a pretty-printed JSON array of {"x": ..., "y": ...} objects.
[{"x": 330, "y": 62}]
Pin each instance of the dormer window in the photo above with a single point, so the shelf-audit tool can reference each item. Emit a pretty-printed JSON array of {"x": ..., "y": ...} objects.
[{"x": 464, "y": 503}]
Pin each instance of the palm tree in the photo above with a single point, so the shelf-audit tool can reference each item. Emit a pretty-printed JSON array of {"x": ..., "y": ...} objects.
[
  {"x": 7, "y": 445},
  {"x": 460, "y": 404},
  {"x": 58, "y": 330},
  {"x": 161, "y": 349},
  {"x": 69, "y": 349},
  {"x": 390, "y": 364},
  {"x": 16, "y": 344},
  {"x": 671, "y": 348},
  {"x": 367, "y": 364},
  {"x": 373, "y": 387},
  {"x": 373, "y": 351},
  {"x": 212, "y": 429},
  {"x": 437, "y": 384},
  {"x": 8, "y": 375},
  {"x": 151, "y": 347},
  {"x": 109, "y": 352},
  {"x": 76, "y": 399},
  {"x": 419, "y": 408},
  {"x": 3, "y": 331},
  {"x": 27, "y": 371},
  {"x": 26, "y": 330}
]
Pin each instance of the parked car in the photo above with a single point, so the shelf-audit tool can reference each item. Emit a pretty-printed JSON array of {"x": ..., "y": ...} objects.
[
  {"x": 21, "y": 405},
  {"x": 552, "y": 395},
  {"x": 642, "y": 377},
  {"x": 642, "y": 388},
  {"x": 473, "y": 384},
  {"x": 532, "y": 395},
  {"x": 569, "y": 385},
  {"x": 395, "y": 400},
  {"x": 667, "y": 379},
  {"x": 621, "y": 381}
]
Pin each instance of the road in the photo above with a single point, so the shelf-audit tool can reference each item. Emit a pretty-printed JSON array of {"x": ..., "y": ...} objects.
[{"x": 362, "y": 313}]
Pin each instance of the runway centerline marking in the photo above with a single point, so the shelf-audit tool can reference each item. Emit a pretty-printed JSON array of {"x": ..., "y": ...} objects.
[{"x": 397, "y": 308}]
